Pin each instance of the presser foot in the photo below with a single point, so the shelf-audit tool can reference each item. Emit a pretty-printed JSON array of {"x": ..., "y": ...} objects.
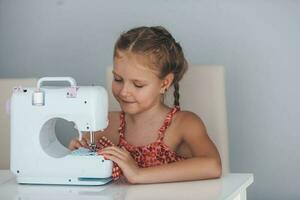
[{"x": 93, "y": 147}]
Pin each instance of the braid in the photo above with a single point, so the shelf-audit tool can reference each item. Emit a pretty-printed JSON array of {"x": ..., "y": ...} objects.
[{"x": 176, "y": 94}]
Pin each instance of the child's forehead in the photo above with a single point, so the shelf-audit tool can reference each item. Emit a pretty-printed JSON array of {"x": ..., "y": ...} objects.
[{"x": 132, "y": 63}]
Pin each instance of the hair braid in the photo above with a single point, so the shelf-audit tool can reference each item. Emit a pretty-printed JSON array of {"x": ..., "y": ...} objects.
[{"x": 176, "y": 94}]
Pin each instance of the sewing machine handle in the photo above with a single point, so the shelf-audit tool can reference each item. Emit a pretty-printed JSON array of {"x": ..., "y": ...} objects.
[{"x": 55, "y": 79}]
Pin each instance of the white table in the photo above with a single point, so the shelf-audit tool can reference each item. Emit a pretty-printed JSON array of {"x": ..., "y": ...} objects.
[{"x": 231, "y": 186}]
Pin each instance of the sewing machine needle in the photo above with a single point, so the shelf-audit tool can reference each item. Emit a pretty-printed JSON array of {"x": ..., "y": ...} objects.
[{"x": 92, "y": 141}]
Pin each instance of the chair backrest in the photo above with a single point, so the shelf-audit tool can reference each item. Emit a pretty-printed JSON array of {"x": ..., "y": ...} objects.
[
  {"x": 6, "y": 89},
  {"x": 202, "y": 91}
]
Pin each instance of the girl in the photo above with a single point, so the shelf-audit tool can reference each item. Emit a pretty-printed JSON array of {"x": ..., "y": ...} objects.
[{"x": 154, "y": 143}]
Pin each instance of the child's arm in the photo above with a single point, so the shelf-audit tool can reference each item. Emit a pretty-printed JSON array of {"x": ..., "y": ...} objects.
[{"x": 204, "y": 164}]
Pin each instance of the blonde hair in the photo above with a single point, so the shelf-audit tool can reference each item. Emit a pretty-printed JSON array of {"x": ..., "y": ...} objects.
[{"x": 164, "y": 53}]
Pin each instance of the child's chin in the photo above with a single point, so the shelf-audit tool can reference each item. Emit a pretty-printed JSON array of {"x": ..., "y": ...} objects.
[
  {"x": 130, "y": 109},
  {"x": 133, "y": 111}
]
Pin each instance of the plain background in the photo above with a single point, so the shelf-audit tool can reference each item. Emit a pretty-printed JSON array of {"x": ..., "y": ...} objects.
[{"x": 256, "y": 40}]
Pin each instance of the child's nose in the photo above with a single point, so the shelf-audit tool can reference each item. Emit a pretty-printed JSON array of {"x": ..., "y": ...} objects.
[{"x": 125, "y": 91}]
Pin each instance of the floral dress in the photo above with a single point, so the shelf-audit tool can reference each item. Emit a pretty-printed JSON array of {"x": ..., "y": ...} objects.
[{"x": 153, "y": 154}]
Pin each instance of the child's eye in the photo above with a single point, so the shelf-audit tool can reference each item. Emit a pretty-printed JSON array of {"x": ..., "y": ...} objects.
[
  {"x": 138, "y": 86},
  {"x": 117, "y": 80}
]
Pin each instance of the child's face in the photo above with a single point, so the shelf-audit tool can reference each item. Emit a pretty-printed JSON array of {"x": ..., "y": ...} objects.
[{"x": 135, "y": 86}]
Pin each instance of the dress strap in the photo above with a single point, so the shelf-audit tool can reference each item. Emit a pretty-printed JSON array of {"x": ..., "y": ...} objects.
[
  {"x": 162, "y": 129},
  {"x": 167, "y": 122}
]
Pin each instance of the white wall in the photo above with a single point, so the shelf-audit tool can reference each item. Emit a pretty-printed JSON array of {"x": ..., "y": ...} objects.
[{"x": 257, "y": 41}]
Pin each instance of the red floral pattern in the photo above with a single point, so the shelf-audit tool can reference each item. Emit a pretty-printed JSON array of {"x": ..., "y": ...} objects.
[{"x": 150, "y": 155}]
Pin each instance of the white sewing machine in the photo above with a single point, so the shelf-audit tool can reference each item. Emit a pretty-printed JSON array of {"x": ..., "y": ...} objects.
[{"x": 37, "y": 157}]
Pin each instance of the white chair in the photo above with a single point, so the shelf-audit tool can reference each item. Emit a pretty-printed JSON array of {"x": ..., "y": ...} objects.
[
  {"x": 202, "y": 91},
  {"x": 6, "y": 89}
]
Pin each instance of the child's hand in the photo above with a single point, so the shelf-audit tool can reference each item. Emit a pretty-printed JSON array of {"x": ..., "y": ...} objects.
[
  {"x": 125, "y": 161},
  {"x": 76, "y": 143}
]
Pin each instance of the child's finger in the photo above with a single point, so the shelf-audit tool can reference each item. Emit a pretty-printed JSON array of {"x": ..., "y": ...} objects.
[
  {"x": 114, "y": 149},
  {"x": 75, "y": 144},
  {"x": 113, "y": 158},
  {"x": 84, "y": 143},
  {"x": 111, "y": 152},
  {"x": 124, "y": 149}
]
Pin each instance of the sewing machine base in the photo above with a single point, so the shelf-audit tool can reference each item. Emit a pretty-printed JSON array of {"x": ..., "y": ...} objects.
[
  {"x": 63, "y": 181},
  {"x": 77, "y": 168}
]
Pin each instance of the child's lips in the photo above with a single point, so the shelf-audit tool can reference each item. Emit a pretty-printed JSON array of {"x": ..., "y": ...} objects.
[
  {"x": 124, "y": 101},
  {"x": 127, "y": 102}
]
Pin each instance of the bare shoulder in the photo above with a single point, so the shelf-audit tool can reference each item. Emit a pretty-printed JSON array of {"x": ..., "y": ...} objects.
[
  {"x": 194, "y": 135},
  {"x": 187, "y": 121}
]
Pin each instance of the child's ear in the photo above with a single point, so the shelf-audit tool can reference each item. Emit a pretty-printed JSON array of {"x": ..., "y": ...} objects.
[{"x": 167, "y": 82}]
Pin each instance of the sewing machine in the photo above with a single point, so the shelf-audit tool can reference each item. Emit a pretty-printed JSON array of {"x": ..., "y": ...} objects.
[{"x": 37, "y": 156}]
